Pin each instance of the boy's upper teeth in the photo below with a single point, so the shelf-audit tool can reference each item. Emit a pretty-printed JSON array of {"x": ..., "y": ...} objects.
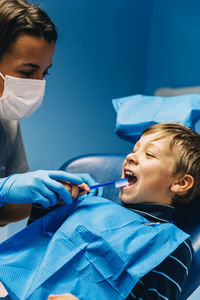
[{"x": 129, "y": 173}]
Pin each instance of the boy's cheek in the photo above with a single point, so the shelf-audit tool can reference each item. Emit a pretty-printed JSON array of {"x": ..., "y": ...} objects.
[{"x": 123, "y": 166}]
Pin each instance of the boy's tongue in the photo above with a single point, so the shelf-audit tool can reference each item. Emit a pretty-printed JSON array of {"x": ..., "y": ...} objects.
[{"x": 132, "y": 179}]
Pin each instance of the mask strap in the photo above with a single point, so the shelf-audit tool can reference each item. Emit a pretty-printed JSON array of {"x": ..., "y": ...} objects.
[{"x": 2, "y": 76}]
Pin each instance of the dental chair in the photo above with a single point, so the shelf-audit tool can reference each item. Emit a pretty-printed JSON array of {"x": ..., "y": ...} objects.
[{"x": 107, "y": 167}]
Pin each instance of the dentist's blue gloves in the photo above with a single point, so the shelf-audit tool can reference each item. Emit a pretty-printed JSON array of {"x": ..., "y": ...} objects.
[
  {"x": 39, "y": 187},
  {"x": 90, "y": 181}
]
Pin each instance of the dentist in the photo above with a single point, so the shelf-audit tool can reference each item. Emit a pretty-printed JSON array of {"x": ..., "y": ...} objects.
[{"x": 27, "y": 45}]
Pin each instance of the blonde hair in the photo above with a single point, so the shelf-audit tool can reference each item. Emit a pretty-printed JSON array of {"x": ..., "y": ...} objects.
[{"x": 187, "y": 160}]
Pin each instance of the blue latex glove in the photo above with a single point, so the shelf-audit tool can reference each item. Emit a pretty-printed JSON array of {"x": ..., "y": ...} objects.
[
  {"x": 90, "y": 181},
  {"x": 37, "y": 187}
]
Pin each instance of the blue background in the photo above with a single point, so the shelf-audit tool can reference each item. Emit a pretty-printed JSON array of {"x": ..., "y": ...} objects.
[
  {"x": 100, "y": 55},
  {"x": 108, "y": 49}
]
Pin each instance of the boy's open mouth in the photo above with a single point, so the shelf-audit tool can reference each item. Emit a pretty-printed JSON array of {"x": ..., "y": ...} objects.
[{"x": 132, "y": 178}]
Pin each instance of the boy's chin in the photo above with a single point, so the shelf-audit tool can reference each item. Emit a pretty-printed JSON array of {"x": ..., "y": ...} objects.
[{"x": 125, "y": 198}]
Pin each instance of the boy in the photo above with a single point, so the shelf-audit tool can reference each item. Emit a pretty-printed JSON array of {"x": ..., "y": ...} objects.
[{"x": 163, "y": 171}]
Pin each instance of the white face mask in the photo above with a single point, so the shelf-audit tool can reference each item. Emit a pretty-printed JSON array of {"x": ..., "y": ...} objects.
[{"x": 21, "y": 97}]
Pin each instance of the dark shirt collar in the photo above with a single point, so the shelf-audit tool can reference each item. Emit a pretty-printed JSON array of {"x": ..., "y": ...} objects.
[{"x": 152, "y": 211}]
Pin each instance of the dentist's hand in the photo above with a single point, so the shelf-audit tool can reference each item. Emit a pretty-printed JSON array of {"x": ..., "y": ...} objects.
[
  {"x": 37, "y": 187},
  {"x": 90, "y": 181}
]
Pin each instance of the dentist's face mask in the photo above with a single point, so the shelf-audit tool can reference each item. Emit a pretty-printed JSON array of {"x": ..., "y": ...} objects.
[{"x": 21, "y": 97}]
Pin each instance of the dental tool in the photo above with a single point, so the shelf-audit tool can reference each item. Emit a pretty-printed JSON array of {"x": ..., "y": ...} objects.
[{"x": 118, "y": 184}]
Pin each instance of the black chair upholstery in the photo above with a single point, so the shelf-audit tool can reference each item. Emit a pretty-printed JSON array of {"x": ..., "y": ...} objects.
[{"x": 107, "y": 167}]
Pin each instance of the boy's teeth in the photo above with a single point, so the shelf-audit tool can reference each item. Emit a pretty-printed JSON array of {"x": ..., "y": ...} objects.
[{"x": 129, "y": 173}]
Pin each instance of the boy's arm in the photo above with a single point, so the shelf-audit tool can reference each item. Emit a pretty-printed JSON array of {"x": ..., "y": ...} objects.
[{"x": 167, "y": 279}]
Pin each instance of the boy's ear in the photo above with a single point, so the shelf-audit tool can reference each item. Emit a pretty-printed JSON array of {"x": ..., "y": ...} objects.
[{"x": 183, "y": 184}]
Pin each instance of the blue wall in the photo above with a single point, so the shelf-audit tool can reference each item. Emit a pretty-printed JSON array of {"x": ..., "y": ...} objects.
[
  {"x": 174, "y": 45},
  {"x": 100, "y": 55},
  {"x": 108, "y": 49}
]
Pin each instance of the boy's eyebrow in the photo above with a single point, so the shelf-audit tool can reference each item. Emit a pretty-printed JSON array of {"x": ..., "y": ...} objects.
[
  {"x": 149, "y": 144},
  {"x": 136, "y": 144}
]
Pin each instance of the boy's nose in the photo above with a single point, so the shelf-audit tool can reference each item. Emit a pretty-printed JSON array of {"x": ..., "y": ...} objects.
[{"x": 132, "y": 158}]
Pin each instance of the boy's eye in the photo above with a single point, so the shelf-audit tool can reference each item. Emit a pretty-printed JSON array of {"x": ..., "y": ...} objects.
[{"x": 149, "y": 154}]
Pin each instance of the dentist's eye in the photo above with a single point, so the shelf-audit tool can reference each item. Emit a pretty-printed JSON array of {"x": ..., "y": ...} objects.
[{"x": 26, "y": 74}]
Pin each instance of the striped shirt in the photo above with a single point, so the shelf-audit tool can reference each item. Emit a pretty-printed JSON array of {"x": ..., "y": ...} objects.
[{"x": 166, "y": 281}]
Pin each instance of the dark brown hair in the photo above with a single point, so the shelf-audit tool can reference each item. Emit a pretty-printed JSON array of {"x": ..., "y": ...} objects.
[{"x": 20, "y": 16}]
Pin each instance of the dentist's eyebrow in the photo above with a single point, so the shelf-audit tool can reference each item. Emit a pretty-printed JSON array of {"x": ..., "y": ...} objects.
[{"x": 35, "y": 66}]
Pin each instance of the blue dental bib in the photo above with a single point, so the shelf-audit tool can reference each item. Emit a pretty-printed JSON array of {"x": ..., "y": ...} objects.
[{"x": 97, "y": 250}]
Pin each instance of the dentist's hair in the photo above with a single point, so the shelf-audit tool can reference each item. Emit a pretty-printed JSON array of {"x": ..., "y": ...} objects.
[
  {"x": 18, "y": 17},
  {"x": 186, "y": 144}
]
